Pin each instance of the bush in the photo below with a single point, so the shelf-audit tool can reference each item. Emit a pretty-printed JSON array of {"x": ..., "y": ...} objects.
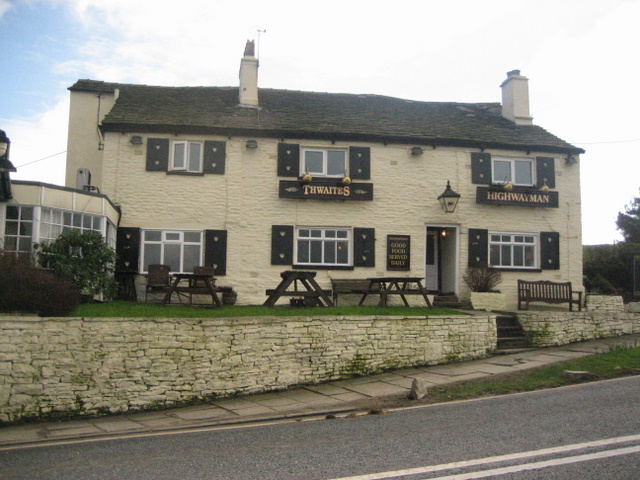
[
  {"x": 609, "y": 268},
  {"x": 25, "y": 288},
  {"x": 482, "y": 279},
  {"x": 84, "y": 259}
]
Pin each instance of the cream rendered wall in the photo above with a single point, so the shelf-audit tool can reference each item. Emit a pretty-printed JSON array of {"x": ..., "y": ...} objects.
[
  {"x": 245, "y": 202},
  {"x": 86, "y": 110}
]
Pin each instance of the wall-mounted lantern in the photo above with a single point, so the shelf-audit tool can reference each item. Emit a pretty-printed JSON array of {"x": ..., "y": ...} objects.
[
  {"x": 252, "y": 144},
  {"x": 449, "y": 199},
  {"x": 416, "y": 151}
]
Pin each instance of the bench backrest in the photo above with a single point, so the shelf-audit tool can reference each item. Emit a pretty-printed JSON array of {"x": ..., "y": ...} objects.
[
  {"x": 348, "y": 284},
  {"x": 544, "y": 289}
]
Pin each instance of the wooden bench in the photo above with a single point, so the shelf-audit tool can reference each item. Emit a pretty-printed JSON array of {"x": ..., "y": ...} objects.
[
  {"x": 549, "y": 292},
  {"x": 348, "y": 286}
]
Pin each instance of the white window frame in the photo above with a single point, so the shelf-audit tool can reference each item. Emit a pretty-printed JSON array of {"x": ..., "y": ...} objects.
[
  {"x": 512, "y": 244},
  {"x": 512, "y": 162},
  {"x": 171, "y": 237},
  {"x": 326, "y": 240},
  {"x": 21, "y": 223},
  {"x": 325, "y": 162},
  {"x": 184, "y": 165}
]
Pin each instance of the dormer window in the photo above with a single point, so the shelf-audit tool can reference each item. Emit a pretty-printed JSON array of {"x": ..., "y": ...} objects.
[
  {"x": 186, "y": 156},
  {"x": 517, "y": 171},
  {"x": 324, "y": 162}
]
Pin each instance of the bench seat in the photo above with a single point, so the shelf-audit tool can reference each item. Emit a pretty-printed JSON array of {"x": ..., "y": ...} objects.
[{"x": 548, "y": 292}]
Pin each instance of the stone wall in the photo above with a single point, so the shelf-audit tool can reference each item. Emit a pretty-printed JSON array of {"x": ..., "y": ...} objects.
[
  {"x": 604, "y": 303},
  {"x": 561, "y": 328},
  {"x": 98, "y": 365}
]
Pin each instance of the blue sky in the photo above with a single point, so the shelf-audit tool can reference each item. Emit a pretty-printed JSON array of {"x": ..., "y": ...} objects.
[{"x": 580, "y": 56}]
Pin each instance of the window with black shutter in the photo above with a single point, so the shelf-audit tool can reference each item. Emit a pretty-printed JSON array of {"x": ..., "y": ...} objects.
[
  {"x": 127, "y": 249},
  {"x": 215, "y": 250},
  {"x": 185, "y": 157},
  {"x": 478, "y": 247}
]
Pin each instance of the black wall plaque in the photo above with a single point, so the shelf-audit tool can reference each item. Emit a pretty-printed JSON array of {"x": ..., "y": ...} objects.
[
  {"x": 523, "y": 197},
  {"x": 398, "y": 252},
  {"x": 326, "y": 190}
]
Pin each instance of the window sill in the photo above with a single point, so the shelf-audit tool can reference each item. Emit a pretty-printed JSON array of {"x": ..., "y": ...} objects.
[
  {"x": 188, "y": 174},
  {"x": 323, "y": 267},
  {"x": 515, "y": 269}
]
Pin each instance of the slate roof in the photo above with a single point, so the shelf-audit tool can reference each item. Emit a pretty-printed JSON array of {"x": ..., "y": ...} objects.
[{"x": 291, "y": 114}]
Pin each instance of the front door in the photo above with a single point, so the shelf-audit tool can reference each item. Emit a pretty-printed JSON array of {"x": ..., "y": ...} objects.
[{"x": 432, "y": 267}]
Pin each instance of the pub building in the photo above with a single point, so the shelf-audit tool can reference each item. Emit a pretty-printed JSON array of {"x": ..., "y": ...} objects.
[{"x": 254, "y": 182}]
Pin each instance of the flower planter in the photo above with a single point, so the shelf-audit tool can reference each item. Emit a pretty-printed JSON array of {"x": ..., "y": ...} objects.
[{"x": 488, "y": 301}]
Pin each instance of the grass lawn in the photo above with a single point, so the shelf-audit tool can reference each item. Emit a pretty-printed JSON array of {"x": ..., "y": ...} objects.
[
  {"x": 616, "y": 363},
  {"x": 141, "y": 310}
]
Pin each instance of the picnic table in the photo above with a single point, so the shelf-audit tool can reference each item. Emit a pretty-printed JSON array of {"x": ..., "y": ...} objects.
[
  {"x": 385, "y": 286},
  {"x": 294, "y": 278},
  {"x": 196, "y": 284}
]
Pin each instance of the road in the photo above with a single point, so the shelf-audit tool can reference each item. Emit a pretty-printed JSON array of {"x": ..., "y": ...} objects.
[{"x": 584, "y": 432}]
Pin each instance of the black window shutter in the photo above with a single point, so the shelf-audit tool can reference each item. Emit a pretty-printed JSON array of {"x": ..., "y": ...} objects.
[
  {"x": 214, "y": 157},
  {"x": 481, "y": 168},
  {"x": 364, "y": 242},
  {"x": 360, "y": 163},
  {"x": 127, "y": 249},
  {"x": 282, "y": 245},
  {"x": 288, "y": 160},
  {"x": 546, "y": 171},
  {"x": 157, "y": 154},
  {"x": 215, "y": 250},
  {"x": 478, "y": 247},
  {"x": 549, "y": 250}
]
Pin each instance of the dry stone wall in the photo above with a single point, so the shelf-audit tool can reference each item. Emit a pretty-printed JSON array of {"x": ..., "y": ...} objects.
[
  {"x": 561, "y": 328},
  {"x": 98, "y": 365}
]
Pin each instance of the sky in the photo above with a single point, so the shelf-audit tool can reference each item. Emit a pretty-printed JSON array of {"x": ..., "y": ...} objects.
[{"x": 581, "y": 58}]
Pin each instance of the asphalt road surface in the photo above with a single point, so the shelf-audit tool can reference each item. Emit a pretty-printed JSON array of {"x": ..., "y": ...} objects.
[{"x": 584, "y": 432}]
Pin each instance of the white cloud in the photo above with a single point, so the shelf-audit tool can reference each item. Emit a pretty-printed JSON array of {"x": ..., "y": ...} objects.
[{"x": 34, "y": 139}]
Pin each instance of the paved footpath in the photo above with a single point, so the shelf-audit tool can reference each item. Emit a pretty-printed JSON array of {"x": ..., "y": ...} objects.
[{"x": 343, "y": 397}]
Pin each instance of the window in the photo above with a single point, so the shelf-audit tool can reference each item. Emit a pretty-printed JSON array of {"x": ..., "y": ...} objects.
[
  {"x": 18, "y": 229},
  {"x": 321, "y": 162},
  {"x": 181, "y": 250},
  {"x": 518, "y": 171},
  {"x": 323, "y": 246},
  {"x": 186, "y": 156},
  {"x": 513, "y": 250}
]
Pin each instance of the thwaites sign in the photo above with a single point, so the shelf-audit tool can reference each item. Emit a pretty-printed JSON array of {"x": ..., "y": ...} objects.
[{"x": 326, "y": 190}]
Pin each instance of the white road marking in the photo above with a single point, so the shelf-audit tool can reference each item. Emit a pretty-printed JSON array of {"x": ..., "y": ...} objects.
[
  {"x": 539, "y": 465},
  {"x": 504, "y": 458}
]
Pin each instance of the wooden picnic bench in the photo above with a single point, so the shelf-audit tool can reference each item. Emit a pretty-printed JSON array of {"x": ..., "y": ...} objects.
[
  {"x": 549, "y": 292},
  {"x": 348, "y": 286}
]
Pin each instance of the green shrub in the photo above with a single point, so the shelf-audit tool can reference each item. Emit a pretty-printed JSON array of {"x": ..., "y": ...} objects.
[
  {"x": 609, "y": 268},
  {"x": 84, "y": 259},
  {"x": 25, "y": 288}
]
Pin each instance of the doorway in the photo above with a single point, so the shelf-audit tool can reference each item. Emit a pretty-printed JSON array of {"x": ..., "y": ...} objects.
[{"x": 441, "y": 259}]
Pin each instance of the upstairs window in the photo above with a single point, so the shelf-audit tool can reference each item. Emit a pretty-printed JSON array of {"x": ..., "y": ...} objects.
[
  {"x": 513, "y": 250},
  {"x": 323, "y": 162},
  {"x": 517, "y": 171},
  {"x": 186, "y": 156},
  {"x": 323, "y": 246}
]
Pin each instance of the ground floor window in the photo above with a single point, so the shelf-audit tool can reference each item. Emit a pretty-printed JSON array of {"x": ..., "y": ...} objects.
[
  {"x": 180, "y": 249},
  {"x": 513, "y": 250},
  {"x": 18, "y": 229},
  {"x": 323, "y": 246}
]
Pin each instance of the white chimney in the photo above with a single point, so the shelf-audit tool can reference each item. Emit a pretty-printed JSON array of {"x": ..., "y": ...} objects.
[
  {"x": 515, "y": 98},
  {"x": 249, "y": 77}
]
